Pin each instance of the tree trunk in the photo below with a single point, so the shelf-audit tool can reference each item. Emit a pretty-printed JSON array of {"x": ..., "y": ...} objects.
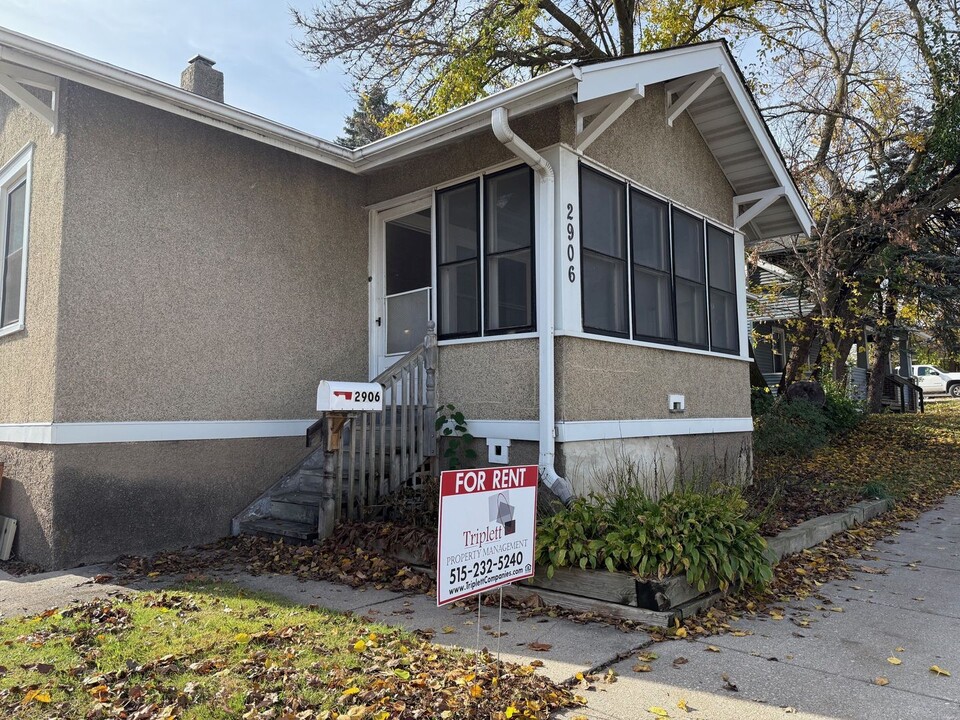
[
  {"x": 881, "y": 363},
  {"x": 840, "y": 369},
  {"x": 798, "y": 353}
]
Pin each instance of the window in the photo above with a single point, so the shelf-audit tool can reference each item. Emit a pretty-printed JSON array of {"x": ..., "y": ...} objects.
[
  {"x": 779, "y": 349},
  {"x": 14, "y": 190},
  {"x": 508, "y": 230},
  {"x": 682, "y": 278},
  {"x": 652, "y": 268},
  {"x": 604, "y": 253},
  {"x": 502, "y": 240}
]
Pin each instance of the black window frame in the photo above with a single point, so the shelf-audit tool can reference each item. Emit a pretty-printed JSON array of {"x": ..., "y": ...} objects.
[
  {"x": 478, "y": 259},
  {"x": 631, "y": 191},
  {"x": 485, "y": 244},
  {"x": 627, "y": 265},
  {"x": 711, "y": 288}
]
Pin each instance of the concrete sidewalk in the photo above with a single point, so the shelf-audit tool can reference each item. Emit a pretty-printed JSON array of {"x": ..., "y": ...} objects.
[{"x": 815, "y": 663}]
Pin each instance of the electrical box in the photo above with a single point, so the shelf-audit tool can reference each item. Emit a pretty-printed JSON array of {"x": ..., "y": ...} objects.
[
  {"x": 349, "y": 396},
  {"x": 498, "y": 451},
  {"x": 676, "y": 403}
]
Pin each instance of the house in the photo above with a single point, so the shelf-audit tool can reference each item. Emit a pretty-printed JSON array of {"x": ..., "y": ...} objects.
[
  {"x": 181, "y": 274},
  {"x": 775, "y": 307}
]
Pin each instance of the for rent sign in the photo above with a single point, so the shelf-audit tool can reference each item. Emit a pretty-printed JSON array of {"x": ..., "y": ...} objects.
[{"x": 488, "y": 523}]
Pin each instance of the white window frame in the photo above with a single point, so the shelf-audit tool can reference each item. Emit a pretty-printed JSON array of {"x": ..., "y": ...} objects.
[{"x": 16, "y": 170}]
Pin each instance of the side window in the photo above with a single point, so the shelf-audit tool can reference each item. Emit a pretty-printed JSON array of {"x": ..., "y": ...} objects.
[
  {"x": 458, "y": 266},
  {"x": 14, "y": 190},
  {"x": 724, "y": 327},
  {"x": 603, "y": 235},
  {"x": 652, "y": 268},
  {"x": 690, "y": 279}
]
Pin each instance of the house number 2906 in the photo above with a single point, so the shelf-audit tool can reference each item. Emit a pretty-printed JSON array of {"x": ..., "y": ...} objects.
[{"x": 571, "y": 235}]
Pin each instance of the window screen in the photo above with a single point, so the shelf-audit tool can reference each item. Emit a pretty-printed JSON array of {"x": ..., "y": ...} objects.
[
  {"x": 652, "y": 266},
  {"x": 724, "y": 326},
  {"x": 690, "y": 278},
  {"x": 12, "y": 257},
  {"x": 458, "y": 272},
  {"x": 604, "y": 238},
  {"x": 508, "y": 230}
]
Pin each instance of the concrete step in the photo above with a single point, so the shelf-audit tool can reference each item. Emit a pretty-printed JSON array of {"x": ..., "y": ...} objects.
[
  {"x": 287, "y": 530},
  {"x": 298, "y": 506}
]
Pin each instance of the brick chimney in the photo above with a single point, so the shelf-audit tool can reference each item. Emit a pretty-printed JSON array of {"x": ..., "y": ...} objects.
[{"x": 201, "y": 79}]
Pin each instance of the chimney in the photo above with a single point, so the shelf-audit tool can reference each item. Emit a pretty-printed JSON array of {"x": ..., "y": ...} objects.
[{"x": 201, "y": 79}]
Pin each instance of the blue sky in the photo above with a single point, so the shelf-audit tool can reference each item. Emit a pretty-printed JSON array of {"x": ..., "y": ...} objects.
[{"x": 249, "y": 39}]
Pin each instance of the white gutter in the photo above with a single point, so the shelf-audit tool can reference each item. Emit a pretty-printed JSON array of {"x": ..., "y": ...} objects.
[{"x": 545, "y": 311}]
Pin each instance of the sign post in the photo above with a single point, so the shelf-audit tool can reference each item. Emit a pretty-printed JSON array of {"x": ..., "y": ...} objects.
[{"x": 488, "y": 520}]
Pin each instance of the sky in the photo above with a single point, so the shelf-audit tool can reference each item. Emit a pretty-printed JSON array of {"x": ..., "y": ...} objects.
[{"x": 250, "y": 40}]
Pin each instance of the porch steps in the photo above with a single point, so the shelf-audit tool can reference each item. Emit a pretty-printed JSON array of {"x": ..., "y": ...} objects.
[{"x": 286, "y": 530}]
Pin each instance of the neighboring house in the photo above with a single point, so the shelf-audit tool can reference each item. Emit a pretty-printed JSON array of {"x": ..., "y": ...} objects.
[
  {"x": 776, "y": 303},
  {"x": 180, "y": 275}
]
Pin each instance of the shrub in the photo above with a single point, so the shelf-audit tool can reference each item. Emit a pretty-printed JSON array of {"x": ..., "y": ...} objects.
[
  {"x": 703, "y": 536},
  {"x": 761, "y": 400},
  {"x": 843, "y": 413},
  {"x": 791, "y": 428}
]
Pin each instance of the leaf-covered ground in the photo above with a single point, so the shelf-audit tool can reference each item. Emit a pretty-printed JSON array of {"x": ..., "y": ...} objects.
[{"x": 214, "y": 651}]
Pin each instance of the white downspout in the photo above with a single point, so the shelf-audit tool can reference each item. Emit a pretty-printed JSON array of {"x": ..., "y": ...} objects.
[{"x": 545, "y": 311}]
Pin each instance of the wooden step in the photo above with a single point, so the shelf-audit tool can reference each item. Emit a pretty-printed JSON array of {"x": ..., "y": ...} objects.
[
  {"x": 297, "y": 505},
  {"x": 286, "y": 530}
]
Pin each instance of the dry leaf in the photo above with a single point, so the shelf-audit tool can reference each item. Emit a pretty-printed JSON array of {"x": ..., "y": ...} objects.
[
  {"x": 539, "y": 646},
  {"x": 659, "y": 711},
  {"x": 894, "y": 661},
  {"x": 937, "y": 670},
  {"x": 642, "y": 668},
  {"x": 712, "y": 648},
  {"x": 881, "y": 681}
]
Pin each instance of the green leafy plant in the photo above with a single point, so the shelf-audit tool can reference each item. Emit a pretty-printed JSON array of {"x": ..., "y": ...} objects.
[
  {"x": 791, "y": 428},
  {"x": 703, "y": 536},
  {"x": 843, "y": 413},
  {"x": 761, "y": 400},
  {"x": 452, "y": 426}
]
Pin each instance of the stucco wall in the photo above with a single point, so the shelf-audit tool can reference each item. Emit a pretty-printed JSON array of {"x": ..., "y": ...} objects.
[
  {"x": 26, "y": 495},
  {"x": 27, "y": 357},
  {"x": 598, "y": 380},
  {"x": 491, "y": 380},
  {"x": 660, "y": 464},
  {"x": 112, "y": 499},
  {"x": 673, "y": 161},
  {"x": 204, "y": 275},
  {"x": 468, "y": 155}
]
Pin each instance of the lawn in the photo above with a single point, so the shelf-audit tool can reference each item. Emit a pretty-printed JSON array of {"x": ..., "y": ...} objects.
[
  {"x": 912, "y": 458},
  {"x": 212, "y": 650}
]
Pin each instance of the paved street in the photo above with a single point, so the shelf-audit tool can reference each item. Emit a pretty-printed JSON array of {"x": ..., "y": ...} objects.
[{"x": 815, "y": 663}]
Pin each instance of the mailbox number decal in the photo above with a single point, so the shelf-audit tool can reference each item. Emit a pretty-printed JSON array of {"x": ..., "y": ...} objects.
[
  {"x": 361, "y": 396},
  {"x": 571, "y": 236}
]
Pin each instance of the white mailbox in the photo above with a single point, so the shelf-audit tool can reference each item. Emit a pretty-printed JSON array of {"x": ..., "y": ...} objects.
[{"x": 349, "y": 396}]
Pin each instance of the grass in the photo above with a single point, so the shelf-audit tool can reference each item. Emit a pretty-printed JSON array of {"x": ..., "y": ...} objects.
[
  {"x": 211, "y": 651},
  {"x": 910, "y": 457}
]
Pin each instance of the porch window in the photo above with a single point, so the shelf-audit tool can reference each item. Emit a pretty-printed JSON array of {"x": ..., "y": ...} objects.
[
  {"x": 604, "y": 237},
  {"x": 458, "y": 272},
  {"x": 679, "y": 266},
  {"x": 495, "y": 245},
  {"x": 724, "y": 332},
  {"x": 14, "y": 187},
  {"x": 691, "y": 279},
  {"x": 509, "y": 249},
  {"x": 652, "y": 267}
]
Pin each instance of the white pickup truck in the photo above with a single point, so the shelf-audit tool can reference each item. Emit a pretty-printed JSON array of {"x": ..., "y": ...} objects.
[{"x": 935, "y": 381}]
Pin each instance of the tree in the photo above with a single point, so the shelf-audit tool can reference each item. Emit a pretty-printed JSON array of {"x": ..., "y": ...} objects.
[
  {"x": 863, "y": 96},
  {"x": 365, "y": 124},
  {"x": 440, "y": 54}
]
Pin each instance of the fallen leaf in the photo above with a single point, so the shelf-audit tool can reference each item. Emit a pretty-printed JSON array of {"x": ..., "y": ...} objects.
[
  {"x": 359, "y": 646},
  {"x": 677, "y": 662},
  {"x": 894, "y": 661},
  {"x": 242, "y": 637},
  {"x": 937, "y": 670},
  {"x": 728, "y": 684},
  {"x": 476, "y": 691},
  {"x": 683, "y": 705},
  {"x": 658, "y": 711},
  {"x": 642, "y": 668},
  {"x": 446, "y": 629},
  {"x": 712, "y": 648},
  {"x": 881, "y": 681},
  {"x": 539, "y": 646}
]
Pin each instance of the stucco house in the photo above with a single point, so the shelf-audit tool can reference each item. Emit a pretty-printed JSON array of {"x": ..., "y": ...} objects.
[{"x": 179, "y": 275}]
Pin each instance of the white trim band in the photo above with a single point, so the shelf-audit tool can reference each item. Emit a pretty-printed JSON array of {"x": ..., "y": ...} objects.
[
  {"x": 619, "y": 429},
  {"x": 159, "y": 431}
]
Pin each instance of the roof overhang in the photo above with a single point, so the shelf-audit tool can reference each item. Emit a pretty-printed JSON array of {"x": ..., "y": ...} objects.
[{"x": 701, "y": 80}]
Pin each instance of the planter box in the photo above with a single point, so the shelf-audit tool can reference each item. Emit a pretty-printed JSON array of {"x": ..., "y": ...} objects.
[{"x": 612, "y": 587}]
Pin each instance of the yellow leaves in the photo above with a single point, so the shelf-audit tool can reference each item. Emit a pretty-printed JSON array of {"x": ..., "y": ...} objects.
[
  {"x": 881, "y": 681},
  {"x": 351, "y": 691},
  {"x": 937, "y": 670},
  {"x": 359, "y": 646},
  {"x": 382, "y": 715},
  {"x": 241, "y": 638},
  {"x": 712, "y": 648},
  {"x": 476, "y": 691},
  {"x": 510, "y": 711},
  {"x": 681, "y": 632},
  {"x": 894, "y": 661},
  {"x": 446, "y": 629},
  {"x": 40, "y": 696},
  {"x": 683, "y": 705},
  {"x": 658, "y": 711}
]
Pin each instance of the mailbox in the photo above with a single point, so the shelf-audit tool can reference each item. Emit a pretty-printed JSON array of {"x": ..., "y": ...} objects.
[{"x": 349, "y": 396}]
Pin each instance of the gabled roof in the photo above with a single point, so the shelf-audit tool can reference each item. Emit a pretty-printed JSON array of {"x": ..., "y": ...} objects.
[{"x": 768, "y": 203}]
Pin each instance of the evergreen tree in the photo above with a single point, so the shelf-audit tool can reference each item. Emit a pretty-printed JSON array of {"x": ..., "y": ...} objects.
[{"x": 363, "y": 126}]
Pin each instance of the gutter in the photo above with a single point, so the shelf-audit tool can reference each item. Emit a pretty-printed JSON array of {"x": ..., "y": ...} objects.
[{"x": 500, "y": 124}]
